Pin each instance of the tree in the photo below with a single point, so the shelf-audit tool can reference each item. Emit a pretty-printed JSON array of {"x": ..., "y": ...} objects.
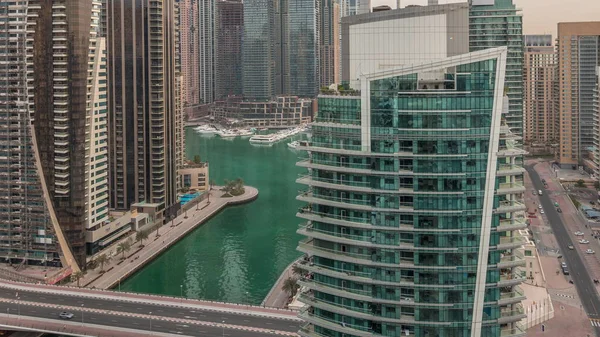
[
  {"x": 197, "y": 159},
  {"x": 580, "y": 183},
  {"x": 102, "y": 259},
  {"x": 290, "y": 286},
  {"x": 211, "y": 183},
  {"x": 597, "y": 185},
  {"x": 123, "y": 248},
  {"x": 77, "y": 276},
  {"x": 157, "y": 228},
  {"x": 297, "y": 270},
  {"x": 141, "y": 236}
]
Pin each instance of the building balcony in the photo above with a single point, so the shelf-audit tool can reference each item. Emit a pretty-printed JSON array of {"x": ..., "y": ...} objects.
[
  {"x": 510, "y": 207},
  {"x": 516, "y": 295},
  {"x": 510, "y": 188},
  {"x": 512, "y": 277},
  {"x": 514, "y": 330},
  {"x": 510, "y": 242},
  {"x": 510, "y": 261},
  {"x": 348, "y": 185},
  {"x": 344, "y": 167},
  {"x": 512, "y": 313},
  {"x": 352, "y": 330},
  {"x": 511, "y": 225}
]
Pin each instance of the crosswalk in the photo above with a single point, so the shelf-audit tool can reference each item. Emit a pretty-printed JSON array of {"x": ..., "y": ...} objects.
[
  {"x": 565, "y": 295},
  {"x": 595, "y": 322}
]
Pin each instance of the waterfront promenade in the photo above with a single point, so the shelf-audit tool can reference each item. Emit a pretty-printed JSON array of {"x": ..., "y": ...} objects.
[
  {"x": 117, "y": 270},
  {"x": 277, "y": 298}
]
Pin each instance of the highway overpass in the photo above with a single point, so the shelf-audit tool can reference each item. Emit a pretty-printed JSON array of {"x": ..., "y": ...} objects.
[{"x": 29, "y": 307}]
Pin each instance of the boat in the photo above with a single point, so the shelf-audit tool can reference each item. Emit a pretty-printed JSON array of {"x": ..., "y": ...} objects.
[
  {"x": 264, "y": 139},
  {"x": 226, "y": 133},
  {"x": 293, "y": 145},
  {"x": 205, "y": 129},
  {"x": 245, "y": 133}
]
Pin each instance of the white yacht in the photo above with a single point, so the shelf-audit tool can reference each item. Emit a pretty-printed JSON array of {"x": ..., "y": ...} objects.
[
  {"x": 227, "y": 134},
  {"x": 294, "y": 144},
  {"x": 205, "y": 129},
  {"x": 245, "y": 133},
  {"x": 264, "y": 139}
]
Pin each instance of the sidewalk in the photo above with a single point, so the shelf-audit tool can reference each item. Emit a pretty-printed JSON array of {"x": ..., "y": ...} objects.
[
  {"x": 276, "y": 297},
  {"x": 117, "y": 269}
]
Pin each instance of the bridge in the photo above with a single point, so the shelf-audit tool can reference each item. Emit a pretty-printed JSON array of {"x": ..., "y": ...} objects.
[{"x": 31, "y": 307}]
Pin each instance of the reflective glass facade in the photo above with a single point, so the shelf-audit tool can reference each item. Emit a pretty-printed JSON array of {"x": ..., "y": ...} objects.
[
  {"x": 411, "y": 208},
  {"x": 258, "y": 58},
  {"x": 303, "y": 50}
]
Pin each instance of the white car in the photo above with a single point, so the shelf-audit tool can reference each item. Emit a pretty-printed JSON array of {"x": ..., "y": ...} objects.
[
  {"x": 578, "y": 233},
  {"x": 65, "y": 315},
  {"x": 589, "y": 251},
  {"x": 541, "y": 211},
  {"x": 584, "y": 241},
  {"x": 540, "y": 206}
]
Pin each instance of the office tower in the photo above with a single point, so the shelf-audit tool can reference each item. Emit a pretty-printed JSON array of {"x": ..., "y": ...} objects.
[
  {"x": 206, "y": 11},
  {"x": 25, "y": 224},
  {"x": 281, "y": 46},
  {"x": 229, "y": 28},
  {"x": 596, "y": 155},
  {"x": 190, "y": 51},
  {"x": 303, "y": 52},
  {"x": 329, "y": 42},
  {"x": 68, "y": 117},
  {"x": 389, "y": 39},
  {"x": 410, "y": 225},
  {"x": 484, "y": 34},
  {"x": 355, "y": 7},
  {"x": 432, "y": 2},
  {"x": 578, "y": 55},
  {"x": 143, "y": 105},
  {"x": 258, "y": 53},
  {"x": 538, "y": 77}
]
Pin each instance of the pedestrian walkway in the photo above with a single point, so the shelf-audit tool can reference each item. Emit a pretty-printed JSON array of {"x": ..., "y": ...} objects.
[
  {"x": 276, "y": 297},
  {"x": 117, "y": 269}
]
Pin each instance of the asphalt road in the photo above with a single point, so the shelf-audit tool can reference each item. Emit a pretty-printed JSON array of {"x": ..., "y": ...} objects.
[
  {"x": 165, "y": 311},
  {"x": 579, "y": 274},
  {"x": 130, "y": 322}
]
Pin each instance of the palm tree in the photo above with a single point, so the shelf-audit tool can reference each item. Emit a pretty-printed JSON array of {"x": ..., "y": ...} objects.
[
  {"x": 123, "y": 248},
  {"x": 102, "y": 259},
  {"x": 77, "y": 276},
  {"x": 290, "y": 286},
  {"x": 141, "y": 236},
  {"x": 297, "y": 270}
]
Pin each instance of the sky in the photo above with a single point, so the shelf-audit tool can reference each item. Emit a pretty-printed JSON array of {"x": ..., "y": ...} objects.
[{"x": 539, "y": 16}]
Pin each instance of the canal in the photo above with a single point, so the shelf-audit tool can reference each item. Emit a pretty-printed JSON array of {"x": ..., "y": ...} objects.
[{"x": 237, "y": 255}]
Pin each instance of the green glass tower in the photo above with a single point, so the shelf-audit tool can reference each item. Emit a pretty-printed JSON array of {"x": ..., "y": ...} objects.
[
  {"x": 413, "y": 205},
  {"x": 497, "y": 23}
]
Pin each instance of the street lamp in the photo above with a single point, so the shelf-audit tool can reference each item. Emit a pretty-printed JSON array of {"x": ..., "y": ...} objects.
[
  {"x": 19, "y": 306},
  {"x": 181, "y": 291},
  {"x": 81, "y": 313},
  {"x": 223, "y": 328},
  {"x": 150, "y": 320},
  {"x": 119, "y": 284}
]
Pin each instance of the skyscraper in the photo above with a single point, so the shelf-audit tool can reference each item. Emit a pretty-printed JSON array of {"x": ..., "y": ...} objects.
[
  {"x": 63, "y": 49},
  {"x": 578, "y": 56},
  {"x": 190, "y": 50},
  {"x": 329, "y": 42},
  {"x": 206, "y": 31},
  {"x": 258, "y": 52},
  {"x": 303, "y": 50},
  {"x": 229, "y": 28},
  {"x": 538, "y": 76},
  {"x": 406, "y": 234},
  {"x": 143, "y": 103},
  {"x": 503, "y": 28}
]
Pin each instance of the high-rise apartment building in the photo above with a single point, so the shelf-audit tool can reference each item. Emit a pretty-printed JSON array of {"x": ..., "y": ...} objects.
[
  {"x": 578, "y": 56},
  {"x": 538, "y": 91},
  {"x": 329, "y": 42},
  {"x": 258, "y": 50},
  {"x": 144, "y": 104},
  {"x": 414, "y": 202},
  {"x": 190, "y": 51},
  {"x": 27, "y": 231},
  {"x": 596, "y": 155},
  {"x": 495, "y": 23},
  {"x": 68, "y": 117},
  {"x": 303, "y": 48},
  {"x": 229, "y": 29},
  {"x": 206, "y": 31},
  {"x": 355, "y": 7}
]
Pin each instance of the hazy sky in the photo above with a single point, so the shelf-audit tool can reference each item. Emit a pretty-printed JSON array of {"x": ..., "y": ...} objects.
[{"x": 539, "y": 16}]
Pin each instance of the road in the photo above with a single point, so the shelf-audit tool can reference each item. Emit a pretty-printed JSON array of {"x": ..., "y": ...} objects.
[
  {"x": 130, "y": 322},
  {"x": 161, "y": 310},
  {"x": 581, "y": 278}
]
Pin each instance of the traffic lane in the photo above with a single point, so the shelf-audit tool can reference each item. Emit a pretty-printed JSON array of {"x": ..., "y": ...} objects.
[
  {"x": 144, "y": 308},
  {"x": 579, "y": 275},
  {"x": 136, "y": 323}
]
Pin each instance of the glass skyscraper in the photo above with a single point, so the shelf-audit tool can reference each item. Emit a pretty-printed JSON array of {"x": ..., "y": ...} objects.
[
  {"x": 303, "y": 49},
  {"x": 413, "y": 196},
  {"x": 496, "y": 23}
]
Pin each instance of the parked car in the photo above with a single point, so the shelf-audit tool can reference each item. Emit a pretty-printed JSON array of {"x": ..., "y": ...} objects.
[
  {"x": 563, "y": 264},
  {"x": 592, "y": 203},
  {"x": 542, "y": 211},
  {"x": 540, "y": 206},
  {"x": 589, "y": 251},
  {"x": 65, "y": 315},
  {"x": 559, "y": 210},
  {"x": 579, "y": 233},
  {"x": 543, "y": 181},
  {"x": 565, "y": 270},
  {"x": 584, "y": 241},
  {"x": 571, "y": 247},
  {"x": 540, "y": 192}
]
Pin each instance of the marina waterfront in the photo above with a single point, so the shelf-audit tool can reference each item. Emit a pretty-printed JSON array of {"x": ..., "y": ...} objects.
[{"x": 237, "y": 255}]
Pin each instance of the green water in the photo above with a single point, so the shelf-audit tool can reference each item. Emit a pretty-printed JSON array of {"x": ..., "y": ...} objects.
[{"x": 237, "y": 255}]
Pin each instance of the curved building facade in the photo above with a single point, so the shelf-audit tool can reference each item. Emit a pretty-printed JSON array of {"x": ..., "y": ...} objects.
[{"x": 413, "y": 196}]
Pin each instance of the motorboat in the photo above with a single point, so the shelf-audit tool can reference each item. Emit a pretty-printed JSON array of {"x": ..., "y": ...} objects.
[
  {"x": 264, "y": 139},
  {"x": 205, "y": 129},
  {"x": 293, "y": 145},
  {"x": 245, "y": 133}
]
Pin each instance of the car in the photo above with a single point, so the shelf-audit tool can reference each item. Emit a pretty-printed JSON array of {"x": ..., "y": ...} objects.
[
  {"x": 579, "y": 233},
  {"x": 542, "y": 211},
  {"x": 589, "y": 251},
  {"x": 559, "y": 210},
  {"x": 540, "y": 206},
  {"x": 563, "y": 264},
  {"x": 65, "y": 315},
  {"x": 584, "y": 241},
  {"x": 571, "y": 247},
  {"x": 571, "y": 281},
  {"x": 540, "y": 192},
  {"x": 543, "y": 181}
]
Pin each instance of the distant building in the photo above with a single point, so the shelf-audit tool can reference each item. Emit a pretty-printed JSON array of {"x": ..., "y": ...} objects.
[
  {"x": 229, "y": 29},
  {"x": 282, "y": 111},
  {"x": 194, "y": 176},
  {"x": 329, "y": 42},
  {"x": 381, "y": 8},
  {"x": 303, "y": 49},
  {"x": 595, "y": 165},
  {"x": 206, "y": 31},
  {"x": 190, "y": 50},
  {"x": 578, "y": 56},
  {"x": 538, "y": 93}
]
